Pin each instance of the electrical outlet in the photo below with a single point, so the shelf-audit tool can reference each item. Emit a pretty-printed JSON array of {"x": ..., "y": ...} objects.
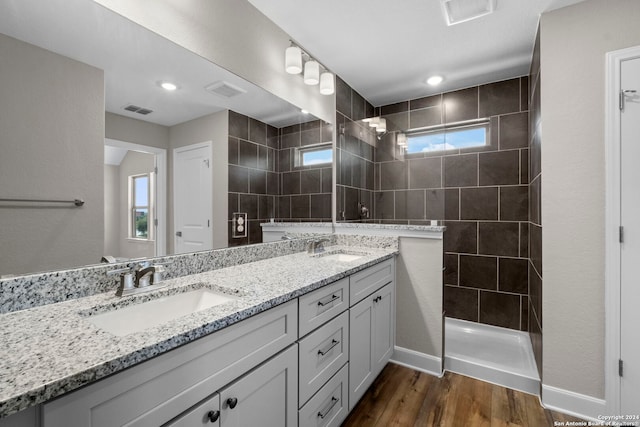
[{"x": 240, "y": 225}]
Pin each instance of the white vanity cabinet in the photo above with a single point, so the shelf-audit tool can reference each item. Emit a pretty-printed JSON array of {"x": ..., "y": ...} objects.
[
  {"x": 371, "y": 327},
  {"x": 154, "y": 392}
]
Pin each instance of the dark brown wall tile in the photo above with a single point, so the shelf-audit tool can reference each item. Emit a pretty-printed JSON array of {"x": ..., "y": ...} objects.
[
  {"x": 425, "y": 173},
  {"x": 249, "y": 205},
  {"x": 500, "y": 98},
  {"x": 535, "y": 292},
  {"x": 284, "y": 207},
  {"x": 273, "y": 140},
  {"x": 513, "y": 275},
  {"x": 233, "y": 205},
  {"x": 514, "y": 131},
  {"x": 266, "y": 207},
  {"x": 450, "y": 269},
  {"x": 257, "y": 181},
  {"x": 461, "y": 105},
  {"x": 300, "y": 206},
  {"x": 524, "y": 313},
  {"x": 460, "y": 237},
  {"x": 291, "y": 183},
  {"x": 524, "y": 93},
  {"x": 273, "y": 183},
  {"x": 257, "y": 131},
  {"x": 310, "y": 136},
  {"x": 461, "y": 171},
  {"x": 284, "y": 160},
  {"x": 233, "y": 151},
  {"x": 461, "y": 303},
  {"x": 514, "y": 203},
  {"x": 535, "y": 200},
  {"x": 248, "y": 154},
  {"x": 499, "y": 168},
  {"x": 436, "y": 204},
  {"x": 524, "y": 167},
  {"x": 357, "y": 106},
  {"x": 479, "y": 203},
  {"x": 255, "y": 232},
  {"x": 238, "y": 125},
  {"x": 395, "y": 108},
  {"x": 498, "y": 238},
  {"x": 428, "y": 101},
  {"x": 425, "y": 117},
  {"x": 397, "y": 121},
  {"x": 310, "y": 181},
  {"x": 500, "y": 309},
  {"x": 524, "y": 239},
  {"x": 351, "y": 200},
  {"x": 410, "y": 204},
  {"x": 535, "y": 246},
  {"x": 343, "y": 97},
  {"x": 393, "y": 175},
  {"x": 326, "y": 180},
  {"x": 384, "y": 205},
  {"x": 290, "y": 140},
  {"x": 238, "y": 179},
  {"x": 452, "y": 203},
  {"x": 478, "y": 272},
  {"x": 321, "y": 206}
]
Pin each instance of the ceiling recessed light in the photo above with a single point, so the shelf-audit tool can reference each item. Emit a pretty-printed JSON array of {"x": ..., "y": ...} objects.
[
  {"x": 434, "y": 80},
  {"x": 168, "y": 86}
]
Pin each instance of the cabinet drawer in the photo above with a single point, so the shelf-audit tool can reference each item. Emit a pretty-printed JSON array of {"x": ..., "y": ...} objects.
[
  {"x": 156, "y": 391},
  {"x": 322, "y": 354},
  {"x": 329, "y": 407},
  {"x": 322, "y": 305},
  {"x": 367, "y": 281},
  {"x": 206, "y": 414}
]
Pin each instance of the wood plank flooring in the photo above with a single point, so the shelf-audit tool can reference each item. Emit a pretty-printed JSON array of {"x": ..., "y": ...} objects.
[{"x": 404, "y": 397}]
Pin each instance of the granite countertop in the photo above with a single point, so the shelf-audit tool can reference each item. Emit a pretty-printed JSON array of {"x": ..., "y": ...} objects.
[{"x": 52, "y": 349}]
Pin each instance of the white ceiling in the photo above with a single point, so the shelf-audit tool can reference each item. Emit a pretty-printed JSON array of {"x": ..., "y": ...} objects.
[
  {"x": 134, "y": 60},
  {"x": 386, "y": 49}
]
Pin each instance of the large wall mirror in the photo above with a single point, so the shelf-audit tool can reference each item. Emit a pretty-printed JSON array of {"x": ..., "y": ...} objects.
[{"x": 83, "y": 115}]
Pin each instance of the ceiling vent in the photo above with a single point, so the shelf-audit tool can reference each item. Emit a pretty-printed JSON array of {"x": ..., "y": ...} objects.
[
  {"x": 457, "y": 11},
  {"x": 139, "y": 110},
  {"x": 225, "y": 89}
]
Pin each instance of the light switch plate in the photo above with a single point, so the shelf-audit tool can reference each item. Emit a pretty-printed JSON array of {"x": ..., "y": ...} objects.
[{"x": 240, "y": 225}]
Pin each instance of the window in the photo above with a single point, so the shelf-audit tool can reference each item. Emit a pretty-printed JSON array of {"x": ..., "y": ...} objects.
[
  {"x": 140, "y": 203},
  {"x": 448, "y": 139},
  {"x": 321, "y": 154}
]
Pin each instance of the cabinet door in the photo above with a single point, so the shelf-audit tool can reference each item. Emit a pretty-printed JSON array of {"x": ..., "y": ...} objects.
[
  {"x": 265, "y": 397},
  {"x": 383, "y": 327},
  {"x": 206, "y": 414},
  {"x": 360, "y": 343}
]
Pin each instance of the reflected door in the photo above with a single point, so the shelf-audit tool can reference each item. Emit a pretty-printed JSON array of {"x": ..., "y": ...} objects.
[
  {"x": 630, "y": 248},
  {"x": 192, "y": 198}
]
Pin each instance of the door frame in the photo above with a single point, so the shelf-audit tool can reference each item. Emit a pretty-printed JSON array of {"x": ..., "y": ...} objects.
[
  {"x": 161, "y": 188},
  {"x": 614, "y": 61},
  {"x": 209, "y": 146}
]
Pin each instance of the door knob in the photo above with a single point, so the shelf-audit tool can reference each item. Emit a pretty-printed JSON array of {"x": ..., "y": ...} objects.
[
  {"x": 213, "y": 416},
  {"x": 179, "y": 233},
  {"x": 232, "y": 402}
]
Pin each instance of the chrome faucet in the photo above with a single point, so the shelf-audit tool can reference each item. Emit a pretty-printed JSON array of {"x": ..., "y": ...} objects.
[
  {"x": 316, "y": 245},
  {"x": 138, "y": 278}
]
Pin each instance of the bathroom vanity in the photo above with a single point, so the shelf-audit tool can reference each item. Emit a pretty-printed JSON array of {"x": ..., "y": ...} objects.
[{"x": 299, "y": 341}]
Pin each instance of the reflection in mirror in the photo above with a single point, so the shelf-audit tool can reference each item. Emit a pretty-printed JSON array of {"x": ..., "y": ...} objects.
[{"x": 65, "y": 64}]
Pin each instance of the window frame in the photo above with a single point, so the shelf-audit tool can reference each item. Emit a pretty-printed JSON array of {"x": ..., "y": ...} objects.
[
  {"x": 299, "y": 153},
  {"x": 133, "y": 207},
  {"x": 452, "y": 127}
]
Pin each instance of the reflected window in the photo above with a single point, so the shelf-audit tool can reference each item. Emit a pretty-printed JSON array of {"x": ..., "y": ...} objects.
[
  {"x": 314, "y": 156},
  {"x": 448, "y": 139},
  {"x": 140, "y": 206}
]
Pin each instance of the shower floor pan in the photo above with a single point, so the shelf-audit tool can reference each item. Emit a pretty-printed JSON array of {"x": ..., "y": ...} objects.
[{"x": 490, "y": 353}]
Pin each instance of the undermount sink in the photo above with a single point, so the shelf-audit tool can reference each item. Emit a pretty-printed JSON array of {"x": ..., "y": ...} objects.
[
  {"x": 136, "y": 318},
  {"x": 341, "y": 256}
]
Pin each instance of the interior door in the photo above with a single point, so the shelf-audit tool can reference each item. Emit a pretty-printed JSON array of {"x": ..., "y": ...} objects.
[
  {"x": 630, "y": 248},
  {"x": 192, "y": 198}
]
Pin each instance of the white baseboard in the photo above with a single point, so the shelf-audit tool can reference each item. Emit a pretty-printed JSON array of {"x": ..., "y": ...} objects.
[
  {"x": 427, "y": 363},
  {"x": 571, "y": 403}
]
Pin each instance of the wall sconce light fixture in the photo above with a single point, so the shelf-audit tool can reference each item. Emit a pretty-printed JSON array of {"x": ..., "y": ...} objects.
[{"x": 294, "y": 59}]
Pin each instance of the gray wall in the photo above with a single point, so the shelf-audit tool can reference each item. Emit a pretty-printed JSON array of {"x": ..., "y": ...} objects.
[
  {"x": 52, "y": 121},
  {"x": 215, "y": 128},
  {"x": 136, "y": 131},
  {"x": 573, "y": 44}
]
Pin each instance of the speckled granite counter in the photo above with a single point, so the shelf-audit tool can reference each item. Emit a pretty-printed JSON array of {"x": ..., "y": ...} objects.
[
  {"x": 396, "y": 230},
  {"x": 52, "y": 349}
]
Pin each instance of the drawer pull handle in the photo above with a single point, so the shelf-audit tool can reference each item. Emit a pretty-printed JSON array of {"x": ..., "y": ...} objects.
[
  {"x": 333, "y": 298},
  {"x": 334, "y": 400},
  {"x": 377, "y": 299},
  {"x": 232, "y": 402},
  {"x": 333, "y": 344},
  {"x": 213, "y": 416}
]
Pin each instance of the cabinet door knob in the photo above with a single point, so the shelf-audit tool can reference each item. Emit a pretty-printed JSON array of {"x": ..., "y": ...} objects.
[
  {"x": 213, "y": 416},
  {"x": 232, "y": 402}
]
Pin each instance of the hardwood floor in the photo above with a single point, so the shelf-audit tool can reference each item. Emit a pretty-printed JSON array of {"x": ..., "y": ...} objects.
[{"x": 404, "y": 397}]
